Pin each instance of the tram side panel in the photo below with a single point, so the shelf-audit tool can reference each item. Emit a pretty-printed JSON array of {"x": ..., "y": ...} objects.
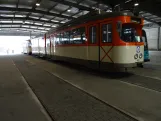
[
  {"x": 70, "y": 47},
  {"x": 35, "y": 49},
  {"x": 27, "y": 49},
  {"x": 25, "y": 46},
  {"x": 38, "y": 46},
  {"x": 117, "y": 48},
  {"x": 48, "y": 47},
  {"x": 52, "y": 46},
  {"x": 93, "y": 45},
  {"x": 41, "y": 47},
  {"x": 114, "y": 49}
]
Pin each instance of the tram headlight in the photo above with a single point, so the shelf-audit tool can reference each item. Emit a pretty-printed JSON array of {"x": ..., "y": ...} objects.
[
  {"x": 141, "y": 55},
  {"x": 136, "y": 56}
]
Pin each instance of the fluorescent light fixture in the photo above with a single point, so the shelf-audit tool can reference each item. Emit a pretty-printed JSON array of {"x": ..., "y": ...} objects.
[
  {"x": 62, "y": 22},
  {"x": 38, "y": 23},
  {"x": 47, "y": 29},
  {"x": 17, "y": 21},
  {"x": 6, "y": 21},
  {"x": 37, "y": 4},
  {"x": 43, "y": 31},
  {"x": 136, "y": 4},
  {"x": 26, "y": 26},
  {"x": 33, "y": 27},
  {"x": 47, "y": 25},
  {"x": 27, "y": 22},
  {"x": 20, "y": 15},
  {"x": 44, "y": 19},
  {"x": 34, "y": 17},
  {"x": 69, "y": 10}
]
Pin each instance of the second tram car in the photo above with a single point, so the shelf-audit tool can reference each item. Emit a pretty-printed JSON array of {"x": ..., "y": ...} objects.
[
  {"x": 27, "y": 48},
  {"x": 146, "y": 49},
  {"x": 98, "y": 41}
]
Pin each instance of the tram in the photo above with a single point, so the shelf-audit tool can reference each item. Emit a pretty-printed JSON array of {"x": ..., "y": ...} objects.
[{"x": 100, "y": 41}]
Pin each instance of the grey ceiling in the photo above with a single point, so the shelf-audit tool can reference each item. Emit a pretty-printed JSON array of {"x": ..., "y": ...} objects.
[{"x": 23, "y": 16}]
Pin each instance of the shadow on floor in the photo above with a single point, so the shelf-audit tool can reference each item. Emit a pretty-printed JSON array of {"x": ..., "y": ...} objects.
[{"x": 83, "y": 69}]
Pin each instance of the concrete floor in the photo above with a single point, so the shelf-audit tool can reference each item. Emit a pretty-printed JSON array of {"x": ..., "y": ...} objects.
[
  {"x": 17, "y": 102},
  {"x": 29, "y": 93},
  {"x": 137, "y": 93}
]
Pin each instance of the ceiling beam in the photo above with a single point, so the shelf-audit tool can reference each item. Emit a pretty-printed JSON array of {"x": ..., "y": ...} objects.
[
  {"x": 19, "y": 24},
  {"x": 29, "y": 19},
  {"x": 150, "y": 6},
  {"x": 15, "y": 33},
  {"x": 49, "y": 11},
  {"x": 34, "y": 6},
  {"x": 16, "y": 8},
  {"x": 22, "y": 28},
  {"x": 73, "y": 5},
  {"x": 78, "y": 2},
  {"x": 159, "y": 23},
  {"x": 145, "y": 5},
  {"x": 34, "y": 11}
]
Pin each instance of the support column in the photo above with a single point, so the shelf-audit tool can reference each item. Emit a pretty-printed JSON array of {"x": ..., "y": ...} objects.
[{"x": 158, "y": 42}]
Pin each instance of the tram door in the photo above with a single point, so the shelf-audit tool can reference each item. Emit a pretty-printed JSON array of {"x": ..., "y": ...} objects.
[
  {"x": 105, "y": 53},
  {"x": 93, "y": 46}
]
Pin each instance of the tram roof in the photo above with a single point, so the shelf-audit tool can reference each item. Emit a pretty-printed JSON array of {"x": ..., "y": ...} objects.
[{"x": 92, "y": 16}]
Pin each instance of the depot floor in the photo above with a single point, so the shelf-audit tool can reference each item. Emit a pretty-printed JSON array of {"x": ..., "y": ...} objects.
[{"x": 32, "y": 89}]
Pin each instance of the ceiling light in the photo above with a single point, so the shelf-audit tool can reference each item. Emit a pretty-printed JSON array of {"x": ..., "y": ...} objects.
[
  {"x": 136, "y": 4},
  {"x": 17, "y": 30},
  {"x": 62, "y": 22},
  {"x": 37, "y": 4},
  {"x": 69, "y": 10},
  {"x": 0, "y": 29}
]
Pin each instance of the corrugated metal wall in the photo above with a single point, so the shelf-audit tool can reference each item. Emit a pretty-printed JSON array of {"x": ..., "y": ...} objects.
[{"x": 153, "y": 38}]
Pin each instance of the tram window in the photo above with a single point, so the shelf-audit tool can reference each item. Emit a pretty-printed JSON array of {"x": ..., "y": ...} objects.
[
  {"x": 47, "y": 41},
  {"x": 66, "y": 38},
  {"x": 48, "y": 44},
  {"x": 83, "y": 34},
  {"x": 92, "y": 35},
  {"x": 106, "y": 33},
  {"x": 53, "y": 39},
  {"x": 61, "y": 38},
  {"x": 71, "y": 37},
  {"x": 78, "y": 36},
  {"x": 57, "y": 39}
]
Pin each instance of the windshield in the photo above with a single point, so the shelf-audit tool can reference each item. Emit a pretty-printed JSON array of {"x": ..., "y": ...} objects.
[{"x": 129, "y": 34}]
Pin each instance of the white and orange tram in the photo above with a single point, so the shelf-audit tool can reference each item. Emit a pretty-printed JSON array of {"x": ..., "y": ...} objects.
[{"x": 98, "y": 41}]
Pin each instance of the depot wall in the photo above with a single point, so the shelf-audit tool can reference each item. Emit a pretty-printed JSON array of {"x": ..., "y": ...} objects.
[{"x": 154, "y": 38}]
